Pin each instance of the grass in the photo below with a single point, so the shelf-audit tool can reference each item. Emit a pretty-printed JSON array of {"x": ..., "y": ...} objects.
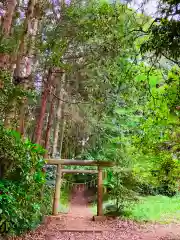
[
  {"x": 158, "y": 208},
  {"x": 64, "y": 201}
]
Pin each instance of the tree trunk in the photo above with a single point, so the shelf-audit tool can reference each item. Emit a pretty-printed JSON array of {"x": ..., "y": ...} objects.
[
  {"x": 26, "y": 32},
  {"x": 29, "y": 84},
  {"x": 63, "y": 124},
  {"x": 6, "y": 29},
  {"x": 49, "y": 125},
  {"x": 22, "y": 62},
  {"x": 7, "y": 20},
  {"x": 58, "y": 117},
  {"x": 45, "y": 94}
]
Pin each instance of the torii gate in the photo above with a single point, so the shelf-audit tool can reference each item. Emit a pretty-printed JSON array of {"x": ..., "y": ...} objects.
[{"x": 60, "y": 170}]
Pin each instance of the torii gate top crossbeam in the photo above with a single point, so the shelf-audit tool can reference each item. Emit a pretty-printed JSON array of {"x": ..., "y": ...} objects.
[
  {"x": 79, "y": 162},
  {"x": 79, "y": 171}
]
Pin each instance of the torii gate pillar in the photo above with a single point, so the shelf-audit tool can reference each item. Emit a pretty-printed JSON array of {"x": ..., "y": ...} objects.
[
  {"x": 57, "y": 190},
  {"x": 100, "y": 192}
]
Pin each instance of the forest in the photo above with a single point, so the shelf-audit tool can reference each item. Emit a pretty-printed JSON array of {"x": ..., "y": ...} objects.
[{"x": 89, "y": 80}]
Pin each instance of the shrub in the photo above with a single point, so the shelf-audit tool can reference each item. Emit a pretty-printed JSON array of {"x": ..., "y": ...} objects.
[
  {"x": 160, "y": 177},
  {"x": 145, "y": 189},
  {"x": 121, "y": 184},
  {"x": 22, "y": 183},
  {"x": 168, "y": 177}
]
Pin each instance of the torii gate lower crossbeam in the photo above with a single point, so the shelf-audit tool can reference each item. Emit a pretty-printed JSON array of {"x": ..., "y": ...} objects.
[{"x": 60, "y": 162}]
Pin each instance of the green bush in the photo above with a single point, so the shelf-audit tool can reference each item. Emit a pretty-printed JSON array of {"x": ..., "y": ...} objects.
[
  {"x": 160, "y": 177},
  {"x": 165, "y": 189},
  {"x": 168, "y": 177},
  {"x": 121, "y": 184},
  {"x": 22, "y": 184},
  {"x": 145, "y": 189}
]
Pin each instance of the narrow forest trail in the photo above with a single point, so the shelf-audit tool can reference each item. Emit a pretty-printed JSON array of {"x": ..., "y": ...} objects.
[
  {"x": 79, "y": 206},
  {"x": 78, "y": 225}
]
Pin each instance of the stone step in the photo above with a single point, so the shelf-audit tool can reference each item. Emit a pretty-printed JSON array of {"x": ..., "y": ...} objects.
[{"x": 88, "y": 230}]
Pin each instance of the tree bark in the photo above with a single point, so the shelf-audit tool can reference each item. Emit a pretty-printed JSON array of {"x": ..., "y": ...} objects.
[
  {"x": 29, "y": 84},
  {"x": 7, "y": 20},
  {"x": 45, "y": 94},
  {"x": 49, "y": 126},
  {"x": 22, "y": 62},
  {"x": 58, "y": 117},
  {"x": 27, "y": 24},
  {"x": 63, "y": 124},
  {"x": 6, "y": 29}
]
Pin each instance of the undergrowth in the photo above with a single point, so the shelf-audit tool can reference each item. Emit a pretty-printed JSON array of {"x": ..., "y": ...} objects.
[{"x": 24, "y": 198}]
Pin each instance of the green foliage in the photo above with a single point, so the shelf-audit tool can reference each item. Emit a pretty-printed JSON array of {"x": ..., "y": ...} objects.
[
  {"x": 7, "y": 45},
  {"x": 157, "y": 136},
  {"x": 22, "y": 203},
  {"x": 163, "y": 34},
  {"x": 11, "y": 96},
  {"x": 120, "y": 184},
  {"x": 140, "y": 135}
]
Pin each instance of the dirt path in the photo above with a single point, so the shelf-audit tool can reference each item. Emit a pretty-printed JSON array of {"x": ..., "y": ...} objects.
[
  {"x": 69, "y": 227},
  {"x": 78, "y": 205}
]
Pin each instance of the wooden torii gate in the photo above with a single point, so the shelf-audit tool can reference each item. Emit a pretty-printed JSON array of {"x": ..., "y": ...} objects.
[{"x": 60, "y": 162}]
